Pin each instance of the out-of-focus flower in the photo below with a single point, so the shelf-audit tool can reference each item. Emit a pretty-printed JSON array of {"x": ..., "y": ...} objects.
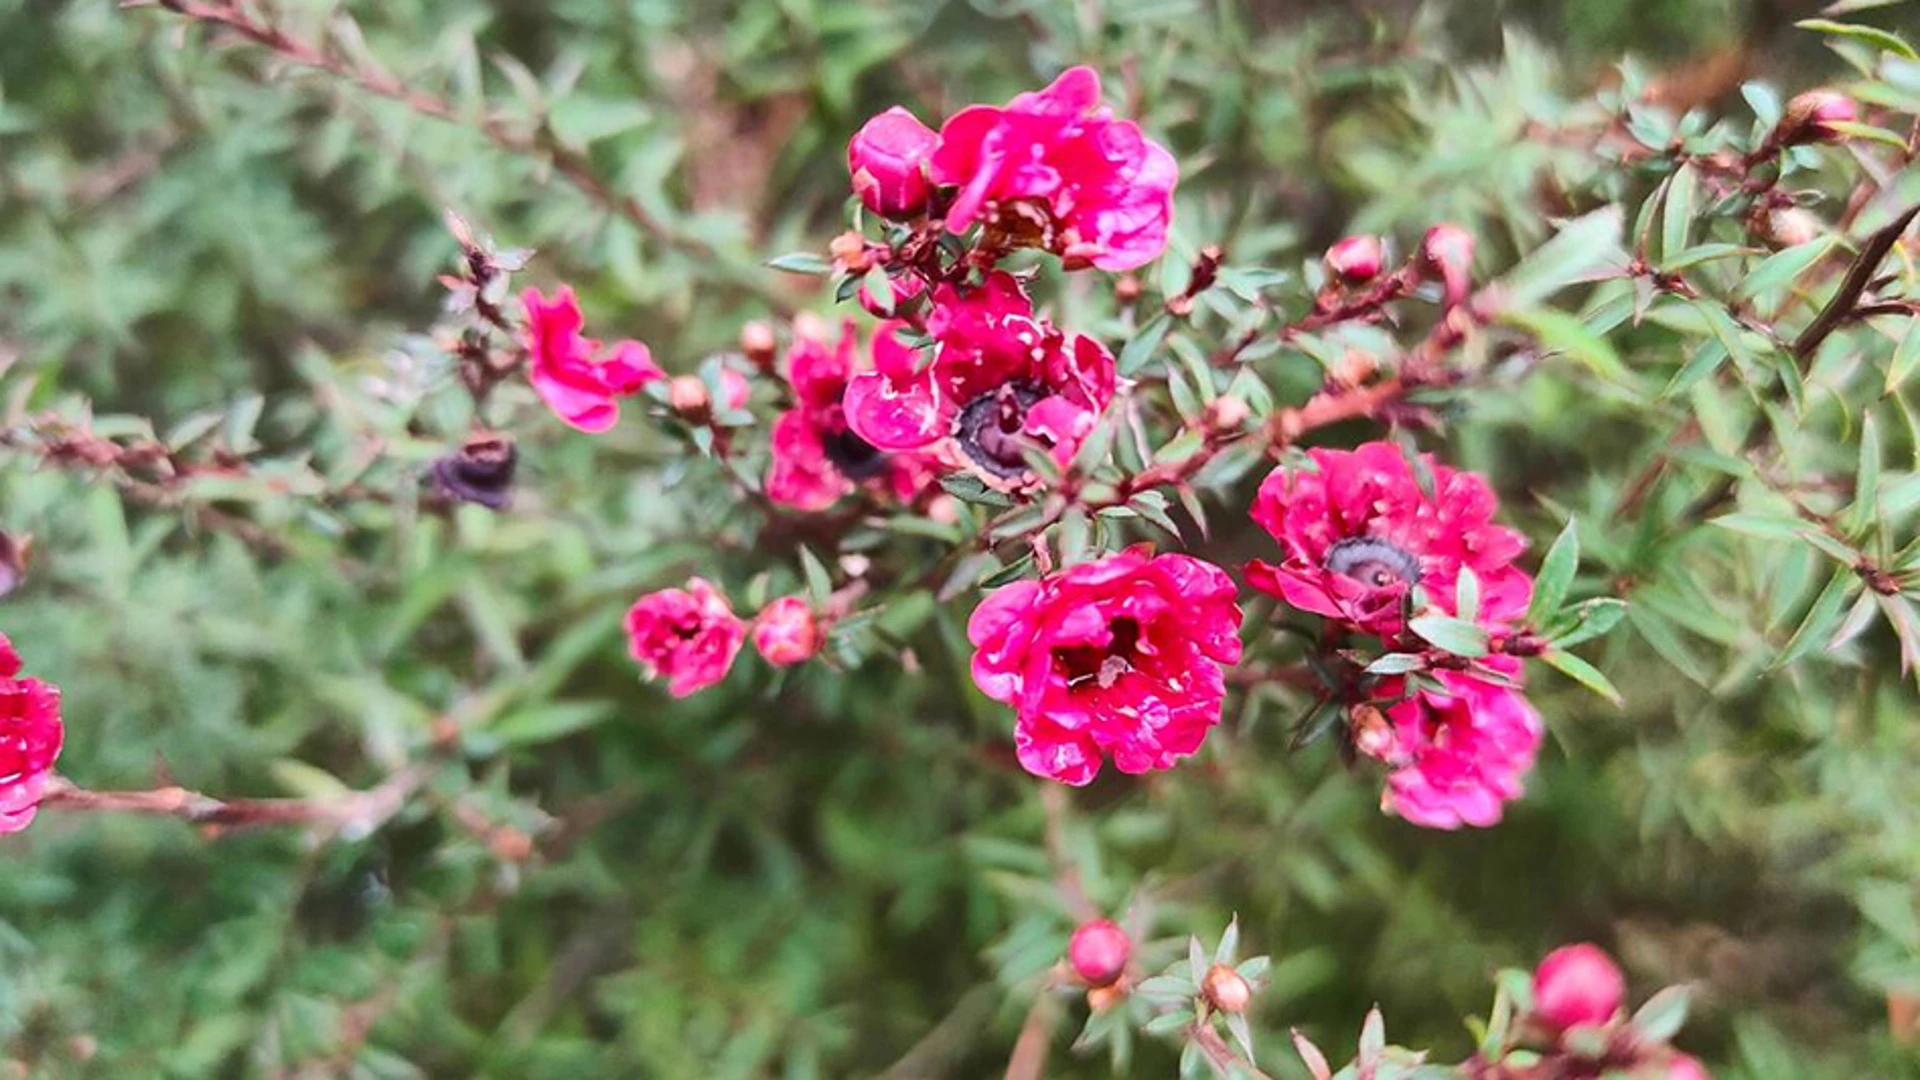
[
  {"x": 817, "y": 457},
  {"x": 904, "y": 289},
  {"x": 578, "y": 379},
  {"x": 759, "y": 345},
  {"x": 1446, "y": 256},
  {"x": 1812, "y": 117},
  {"x": 1001, "y": 380},
  {"x": 1356, "y": 260},
  {"x": 1684, "y": 1067},
  {"x": 480, "y": 472},
  {"x": 1099, "y": 951},
  {"x": 888, "y": 160},
  {"x": 1358, "y": 532},
  {"x": 15, "y": 551},
  {"x": 31, "y": 734},
  {"x": 785, "y": 632},
  {"x": 688, "y": 636},
  {"x": 1577, "y": 985},
  {"x": 1054, "y": 169},
  {"x": 1458, "y": 758},
  {"x": 1120, "y": 657}
]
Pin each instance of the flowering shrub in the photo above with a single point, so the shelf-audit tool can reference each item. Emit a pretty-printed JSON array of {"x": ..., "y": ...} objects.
[{"x": 1309, "y": 420}]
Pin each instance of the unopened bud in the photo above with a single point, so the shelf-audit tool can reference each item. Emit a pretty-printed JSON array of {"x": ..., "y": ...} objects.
[
  {"x": 759, "y": 344},
  {"x": 1099, "y": 952},
  {"x": 1372, "y": 733},
  {"x": 1790, "y": 226},
  {"x": 510, "y": 845},
  {"x": 1685, "y": 1067},
  {"x": 687, "y": 395},
  {"x": 888, "y": 160},
  {"x": 1812, "y": 116},
  {"x": 1577, "y": 985},
  {"x": 849, "y": 251},
  {"x": 1356, "y": 260},
  {"x": 1226, "y": 989},
  {"x": 1127, "y": 289},
  {"x": 1227, "y": 413},
  {"x": 1446, "y": 256},
  {"x": 785, "y": 632}
]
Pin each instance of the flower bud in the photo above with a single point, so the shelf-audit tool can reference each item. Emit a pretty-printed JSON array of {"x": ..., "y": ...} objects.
[
  {"x": 1227, "y": 413},
  {"x": 480, "y": 472},
  {"x": 1099, "y": 952},
  {"x": 759, "y": 345},
  {"x": 785, "y": 632},
  {"x": 1356, "y": 260},
  {"x": 850, "y": 252},
  {"x": 1127, "y": 288},
  {"x": 1790, "y": 226},
  {"x": 1810, "y": 117},
  {"x": 1446, "y": 255},
  {"x": 1576, "y": 985},
  {"x": 905, "y": 289},
  {"x": 1226, "y": 989},
  {"x": 888, "y": 160},
  {"x": 687, "y": 395},
  {"x": 1372, "y": 733},
  {"x": 1685, "y": 1067}
]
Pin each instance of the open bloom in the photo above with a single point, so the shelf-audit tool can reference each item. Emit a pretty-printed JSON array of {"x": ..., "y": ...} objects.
[
  {"x": 1576, "y": 985},
  {"x": 30, "y": 738},
  {"x": 1054, "y": 169},
  {"x": 1458, "y": 758},
  {"x": 688, "y": 636},
  {"x": 888, "y": 160},
  {"x": 817, "y": 457},
  {"x": 1001, "y": 380},
  {"x": 576, "y": 376},
  {"x": 1358, "y": 533},
  {"x": 786, "y": 632},
  {"x": 1119, "y": 657}
]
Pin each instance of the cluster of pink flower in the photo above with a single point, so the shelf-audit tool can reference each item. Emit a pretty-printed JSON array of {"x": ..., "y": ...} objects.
[
  {"x": 690, "y": 636},
  {"x": 30, "y": 736},
  {"x": 1578, "y": 1015}
]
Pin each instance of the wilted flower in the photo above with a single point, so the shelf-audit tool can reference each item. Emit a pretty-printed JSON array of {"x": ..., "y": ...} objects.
[
  {"x": 1099, "y": 951},
  {"x": 689, "y": 636},
  {"x": 30, "y": 736},
  {"x": 577, "y": 379},
  {"x": 1459, "y": 757},
  {"x": 481, "y": 471},
  {"x": 1358, "y": 533},
  {"x": 888, "y": 160},
  {"x": 1002, "y": 380},
  {"x": 1577, "y": 985},
  {"x": 786, "y": 632},
  {"x": 1356, "y": 260},
  {"x": 817, "y": 457},
  {"x": 1120, "y": 657},
  {"x": 1054, "y": 169}
]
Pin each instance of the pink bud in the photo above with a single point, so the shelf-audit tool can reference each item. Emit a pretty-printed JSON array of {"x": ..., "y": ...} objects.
[
  {"x": 785, "y": 632},
  {"x": 888, "y": 159},
  {"x": 1810, "y": 117},
  {"x": 905, "y": 289},
  {"x": 1098, "y": 952},
  {"x": 1356, "y": 260},
  {"x": 1577, "y": 984},
  {"x": 1226, "y": 989},
  {"x": 1683, "y": 1067},
  {"x": 1446, "y": 253}
]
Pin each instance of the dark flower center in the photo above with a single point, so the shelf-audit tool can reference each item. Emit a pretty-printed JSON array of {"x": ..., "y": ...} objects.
[
  {"x": 856, "y": 458},
  {"x": 481, "y": 471},
  {"x": 992, "y": 428},
  {"x": 1102, "y": 666},
  {"x": 1374, "y": 562}
]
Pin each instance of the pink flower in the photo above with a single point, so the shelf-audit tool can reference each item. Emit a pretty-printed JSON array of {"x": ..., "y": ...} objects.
[
  {"x": 888, "y": 160},
  {"x": 1684, "y": 1067},
  {"x": 1446, "y": 255},
  {"x": 1121, "y": 656},
  {"x": 1001, "y": 380},
  {"x": 1103, "y": 192},
  {"x": 785, "y": 632},
  {"x": 688, "y": 635},
  {"x": 1458, "y": 758},
  {"x": 30, "y": 736},
  {"x": 817, "y": 458},
  {"x": 1812, "y": 117},
  {"x": 1359, "y": 533},
  {"x": 571, "y": 373},
  {"x": 1577, "y": 985},
  {"x": 1098, "y": 952}
]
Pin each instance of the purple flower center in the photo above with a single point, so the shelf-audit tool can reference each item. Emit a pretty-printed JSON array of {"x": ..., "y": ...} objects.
[
  {"x": 856, "y": 458},
  {"x": 1102, "y": 666},
  {"x": 992, "y": 428},
  {"x": 1372, "y": 561}
]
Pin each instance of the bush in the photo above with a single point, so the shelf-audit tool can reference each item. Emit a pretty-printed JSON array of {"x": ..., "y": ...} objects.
[{"x": 1330, "y": 515}]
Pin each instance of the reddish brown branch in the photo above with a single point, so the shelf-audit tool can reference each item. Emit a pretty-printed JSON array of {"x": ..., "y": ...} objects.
[{"x": 358, "y": 810}]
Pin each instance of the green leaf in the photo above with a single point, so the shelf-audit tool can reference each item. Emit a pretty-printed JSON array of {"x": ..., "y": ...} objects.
[
  {"x": 1678, "y": 212},
  {"x": 1582, "y": 246},
  {"x": 1866, "y": 483},
  {"x": 1904, "y": 357},
  {"x": 1661, "y": 1018},
  {"x": 1821, "y": 618},
  {"x": 801, "y": 262},
  {"x": 969, "y": 488},
  {"x": 1396, "y": 664},
  {"x": 1559, "y": 332},
  {"x": 1556, "y": 575},
  {"x": 549, "y": 721},
  {"x": 1782, "y": 268},
  {"x": 1457, "y": 636},
  {"x": 819, "y": 581},
  {"x": 1466, "y": 595},
  {"x": 1145, "y": 342},
  {"x": 1583, "y": 673},
  {"x": 1870, "y": 36}
]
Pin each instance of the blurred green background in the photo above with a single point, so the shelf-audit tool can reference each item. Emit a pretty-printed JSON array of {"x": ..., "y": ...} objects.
[{"x": 804, "y": 876}]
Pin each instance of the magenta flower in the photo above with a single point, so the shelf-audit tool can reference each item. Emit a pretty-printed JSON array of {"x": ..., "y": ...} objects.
[
  {"x": 1054, "y": 169},
  {"x": 785, "y": 632},
  {"x": 888, "y": 160},
  {"x": 30, "y": 737},
  {"x": 1119, "y": 657},
  {"x": 689, "y": 636},
  {"x": 1458, "y": 758},
  {"x": 1001, "y": 380},
  {"x": 1577, "y": 985},
  {"x": 1358, "y": 534},
  {"x": 817, "y": 457},
  {"x": 571, "y": 373}
]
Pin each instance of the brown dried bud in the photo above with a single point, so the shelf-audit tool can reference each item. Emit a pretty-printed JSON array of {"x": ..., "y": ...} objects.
[
  {"x": 1102, "y": 998},
  {"x": 759, "y": 344},
  {"x": 1372, "y": 734},
  {"x": 1226, "y": 989},
  {"x": 480, "y": 472}
]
